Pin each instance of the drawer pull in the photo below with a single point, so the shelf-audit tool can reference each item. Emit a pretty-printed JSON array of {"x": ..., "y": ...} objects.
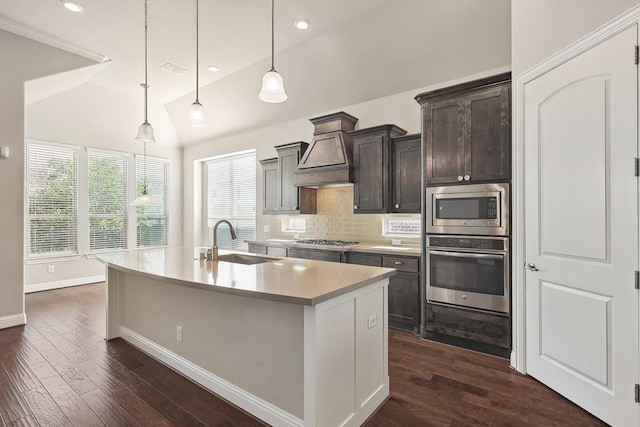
[{"x": 398, "y": 263}]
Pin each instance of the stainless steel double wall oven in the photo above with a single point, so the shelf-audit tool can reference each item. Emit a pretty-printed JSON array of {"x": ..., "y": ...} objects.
[{"x": 467, "y": 246}]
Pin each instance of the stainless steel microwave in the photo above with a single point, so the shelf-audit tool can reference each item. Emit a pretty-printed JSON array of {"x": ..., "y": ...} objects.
[{"x": 478, "y": 209}]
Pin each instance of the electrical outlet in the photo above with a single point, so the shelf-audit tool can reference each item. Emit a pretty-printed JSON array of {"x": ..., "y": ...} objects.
[
  {"x": 372, "y": 321},
  {"x": 51, "y": 269},
  {"x": 266, "y": 228},
  {"x": 397, "y": 242},
  {"x": 296, "y": 236},
  {"x": 179, "y": 333}
]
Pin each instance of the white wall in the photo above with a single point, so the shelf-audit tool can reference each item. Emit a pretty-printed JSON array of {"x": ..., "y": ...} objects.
[
  {"x": 22, "y": 60},
  {"x": 400, "y": 109},
  {"x": 98, "y": 118},
  {"x": 540, "y": 28}
]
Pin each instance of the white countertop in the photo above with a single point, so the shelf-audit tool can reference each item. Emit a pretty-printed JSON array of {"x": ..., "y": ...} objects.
[{"x": 290, "y": 280}]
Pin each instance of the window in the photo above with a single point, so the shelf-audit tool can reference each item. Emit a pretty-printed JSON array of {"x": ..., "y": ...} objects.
[
  {"x": 401, "y": 227},
  {"x": 151, "y": 226},
  {"x": 107, "y": 190},
  {"x": 231, "y": 195},
  {"x": 52, "y": 199}
]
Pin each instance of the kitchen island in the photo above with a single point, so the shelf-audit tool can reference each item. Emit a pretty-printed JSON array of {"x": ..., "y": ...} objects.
[{"x": 294, "y": 342}]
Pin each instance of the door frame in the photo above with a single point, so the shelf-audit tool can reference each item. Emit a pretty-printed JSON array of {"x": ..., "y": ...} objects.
[{"x": 518, "y": 304}]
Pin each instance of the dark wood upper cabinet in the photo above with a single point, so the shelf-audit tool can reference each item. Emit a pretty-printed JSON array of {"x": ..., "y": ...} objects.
[
  {"x": 406, "y": 169},
  {"x": 270, "y": 186},
  {"x": 280, "y": 195},
  {"x": 467, "y": 131},
  {"x": 371, "y": 168}
]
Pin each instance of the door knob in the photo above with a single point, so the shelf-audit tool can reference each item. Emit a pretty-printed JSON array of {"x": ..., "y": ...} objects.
[
  {"x": 296, "y": 208},
  {"x": 531, "y": 266},
  {"x": 460, "y": 178},
  {"x": 355, "y": 206},
  {"x": 467, "y": 177},
  {"x": 397, "y": 206}
]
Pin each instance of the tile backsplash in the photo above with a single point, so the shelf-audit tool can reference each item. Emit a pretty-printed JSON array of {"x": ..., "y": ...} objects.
[{"x": 335, "y": 220}]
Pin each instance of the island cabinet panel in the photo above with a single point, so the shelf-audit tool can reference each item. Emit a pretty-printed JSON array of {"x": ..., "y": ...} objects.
[
  {"x": 404, "y": 287},
  {"x": 371, "y": 168},
  {"x": 324, "y": 364},
  {"x": 316, "y": 254},
  {"x": 481, "y": 331},
  {"x": 467, "y": 131},
  {"x": 269, "y": 186},
  {"x": 406, "y": 167}
]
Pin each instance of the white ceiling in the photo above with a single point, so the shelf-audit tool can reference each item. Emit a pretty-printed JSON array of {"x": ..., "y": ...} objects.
[{"x": 354, "y": 51}]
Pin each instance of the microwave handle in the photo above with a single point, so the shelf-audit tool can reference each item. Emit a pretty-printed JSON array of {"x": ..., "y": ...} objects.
[{"x": 468, "y": 255}]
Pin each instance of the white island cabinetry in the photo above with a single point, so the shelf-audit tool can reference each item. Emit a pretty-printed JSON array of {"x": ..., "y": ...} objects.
[{"x": 294, "y": 342}]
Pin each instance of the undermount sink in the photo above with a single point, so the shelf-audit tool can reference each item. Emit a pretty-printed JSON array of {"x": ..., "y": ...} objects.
[
  {"x": 243, "y": 259},
  {"x": 393, "y": 248}
]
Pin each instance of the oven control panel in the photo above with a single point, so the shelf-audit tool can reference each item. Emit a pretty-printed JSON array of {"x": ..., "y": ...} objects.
[{"x": 496, "y": 244}]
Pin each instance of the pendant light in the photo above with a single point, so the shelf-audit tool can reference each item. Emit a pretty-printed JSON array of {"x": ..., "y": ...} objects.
[
  {"x": 272, "y": 84},
  {"x": 145, "y": 131},
  {"x": 197, "y": 116},
  {"x": 144, "y": 199}
]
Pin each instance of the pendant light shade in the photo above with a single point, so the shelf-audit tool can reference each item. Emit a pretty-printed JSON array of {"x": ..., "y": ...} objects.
[
  {"x": 272, "y": 88},
  {"x": 145, "y": 131},
  {"x": 272, "y": 83},
  {"x": 197, "y": 116},
  {"x": 144, "y": 200}
]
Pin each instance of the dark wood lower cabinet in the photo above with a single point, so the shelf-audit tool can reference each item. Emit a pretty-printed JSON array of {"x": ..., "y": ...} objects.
[
  {"x": 316, "y": 254},
  {"x": 475, "y": 330},
  {"x": 404, "y": 288}
]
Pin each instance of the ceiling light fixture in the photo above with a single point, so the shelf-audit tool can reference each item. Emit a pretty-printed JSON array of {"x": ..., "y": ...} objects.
[
  {"x": 71, "y": 6},
  {"x": 197, "y": 116},
  {"x": 302, "y": 24},
  {"x": 213, "y": 68},
  {"x": 145, "y": 131},
  {"x": 272, "y": 83}
]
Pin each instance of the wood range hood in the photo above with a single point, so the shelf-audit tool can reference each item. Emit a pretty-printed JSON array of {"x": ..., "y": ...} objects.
[{"x": 328, "y": 162}]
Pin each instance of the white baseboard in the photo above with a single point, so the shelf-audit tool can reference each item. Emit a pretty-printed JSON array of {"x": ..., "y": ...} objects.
[
  {"x": 46, "y": 286},
  {"x": 14, "y": 320},
  {"x": 262, "y": 409}
]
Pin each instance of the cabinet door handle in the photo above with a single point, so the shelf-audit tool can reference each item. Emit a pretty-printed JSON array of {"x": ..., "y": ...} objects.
[
  {"x": 460, "y": 178},
  {"x": 355, "y": 206},
  {"x": 397, "y": 206},
  {"x": 398, "y": 263},
  {"x": 467, "y": 177}
]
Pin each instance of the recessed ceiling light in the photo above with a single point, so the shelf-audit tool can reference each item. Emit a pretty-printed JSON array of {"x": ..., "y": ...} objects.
[
  {"x": 302, "y": 24},
  {"x": 73, "y": 7},
  {"x": 213, "y": 68}
]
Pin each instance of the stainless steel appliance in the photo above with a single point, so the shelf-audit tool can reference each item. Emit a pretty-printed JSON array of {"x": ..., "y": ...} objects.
[
  {"x": 469, "y": 271},
  {"x": 481, "y": 209}
]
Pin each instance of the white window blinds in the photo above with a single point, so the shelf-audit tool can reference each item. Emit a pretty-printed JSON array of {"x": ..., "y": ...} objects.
[
  {"x": 52, "y": 199},
  {"x": 151, "y": 226},
  {"x": 107, "y": 191},
  {"x": 231, "y": 195}
]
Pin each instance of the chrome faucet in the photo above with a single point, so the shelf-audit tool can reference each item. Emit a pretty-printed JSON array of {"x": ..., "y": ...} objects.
[{"x": 214, "y": 250}]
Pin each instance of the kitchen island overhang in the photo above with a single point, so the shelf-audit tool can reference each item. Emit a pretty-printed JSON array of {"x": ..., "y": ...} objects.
[{"x": 294, "y": 342}]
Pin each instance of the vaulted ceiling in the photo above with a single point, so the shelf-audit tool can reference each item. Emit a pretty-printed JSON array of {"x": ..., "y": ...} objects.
[{"x": 354, "y": 51}]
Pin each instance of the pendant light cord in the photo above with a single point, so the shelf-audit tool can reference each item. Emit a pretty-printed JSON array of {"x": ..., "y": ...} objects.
[
  {"x": 145, "y": 63},
  {"x": 272, "y": 36},
  {"x": 197, "y": 49}
]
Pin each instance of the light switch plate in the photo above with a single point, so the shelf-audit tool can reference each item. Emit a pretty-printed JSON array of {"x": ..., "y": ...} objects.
[
  {"x": 396, "y": 242},
  {"x": 265, "y": 228},
  {"x": 5, "y": 152}
]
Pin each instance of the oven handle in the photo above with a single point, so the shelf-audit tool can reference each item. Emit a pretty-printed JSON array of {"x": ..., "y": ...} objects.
[{"x": 468, "y": 255}]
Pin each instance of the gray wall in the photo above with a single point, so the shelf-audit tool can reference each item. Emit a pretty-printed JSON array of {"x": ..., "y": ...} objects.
[
  {"x": 22, "y": 60},
  {"x": 540, "y": 28}
]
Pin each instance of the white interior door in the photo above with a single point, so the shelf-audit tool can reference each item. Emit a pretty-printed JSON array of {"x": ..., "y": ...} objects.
[{"x": 581, "y": 229}]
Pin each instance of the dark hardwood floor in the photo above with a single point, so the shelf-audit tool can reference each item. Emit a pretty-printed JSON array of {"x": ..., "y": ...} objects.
[{"x": 58, "y": 371}]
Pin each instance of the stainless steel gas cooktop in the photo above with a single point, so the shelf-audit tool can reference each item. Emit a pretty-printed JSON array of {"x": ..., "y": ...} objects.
[{"x": 325, "y": 242}]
